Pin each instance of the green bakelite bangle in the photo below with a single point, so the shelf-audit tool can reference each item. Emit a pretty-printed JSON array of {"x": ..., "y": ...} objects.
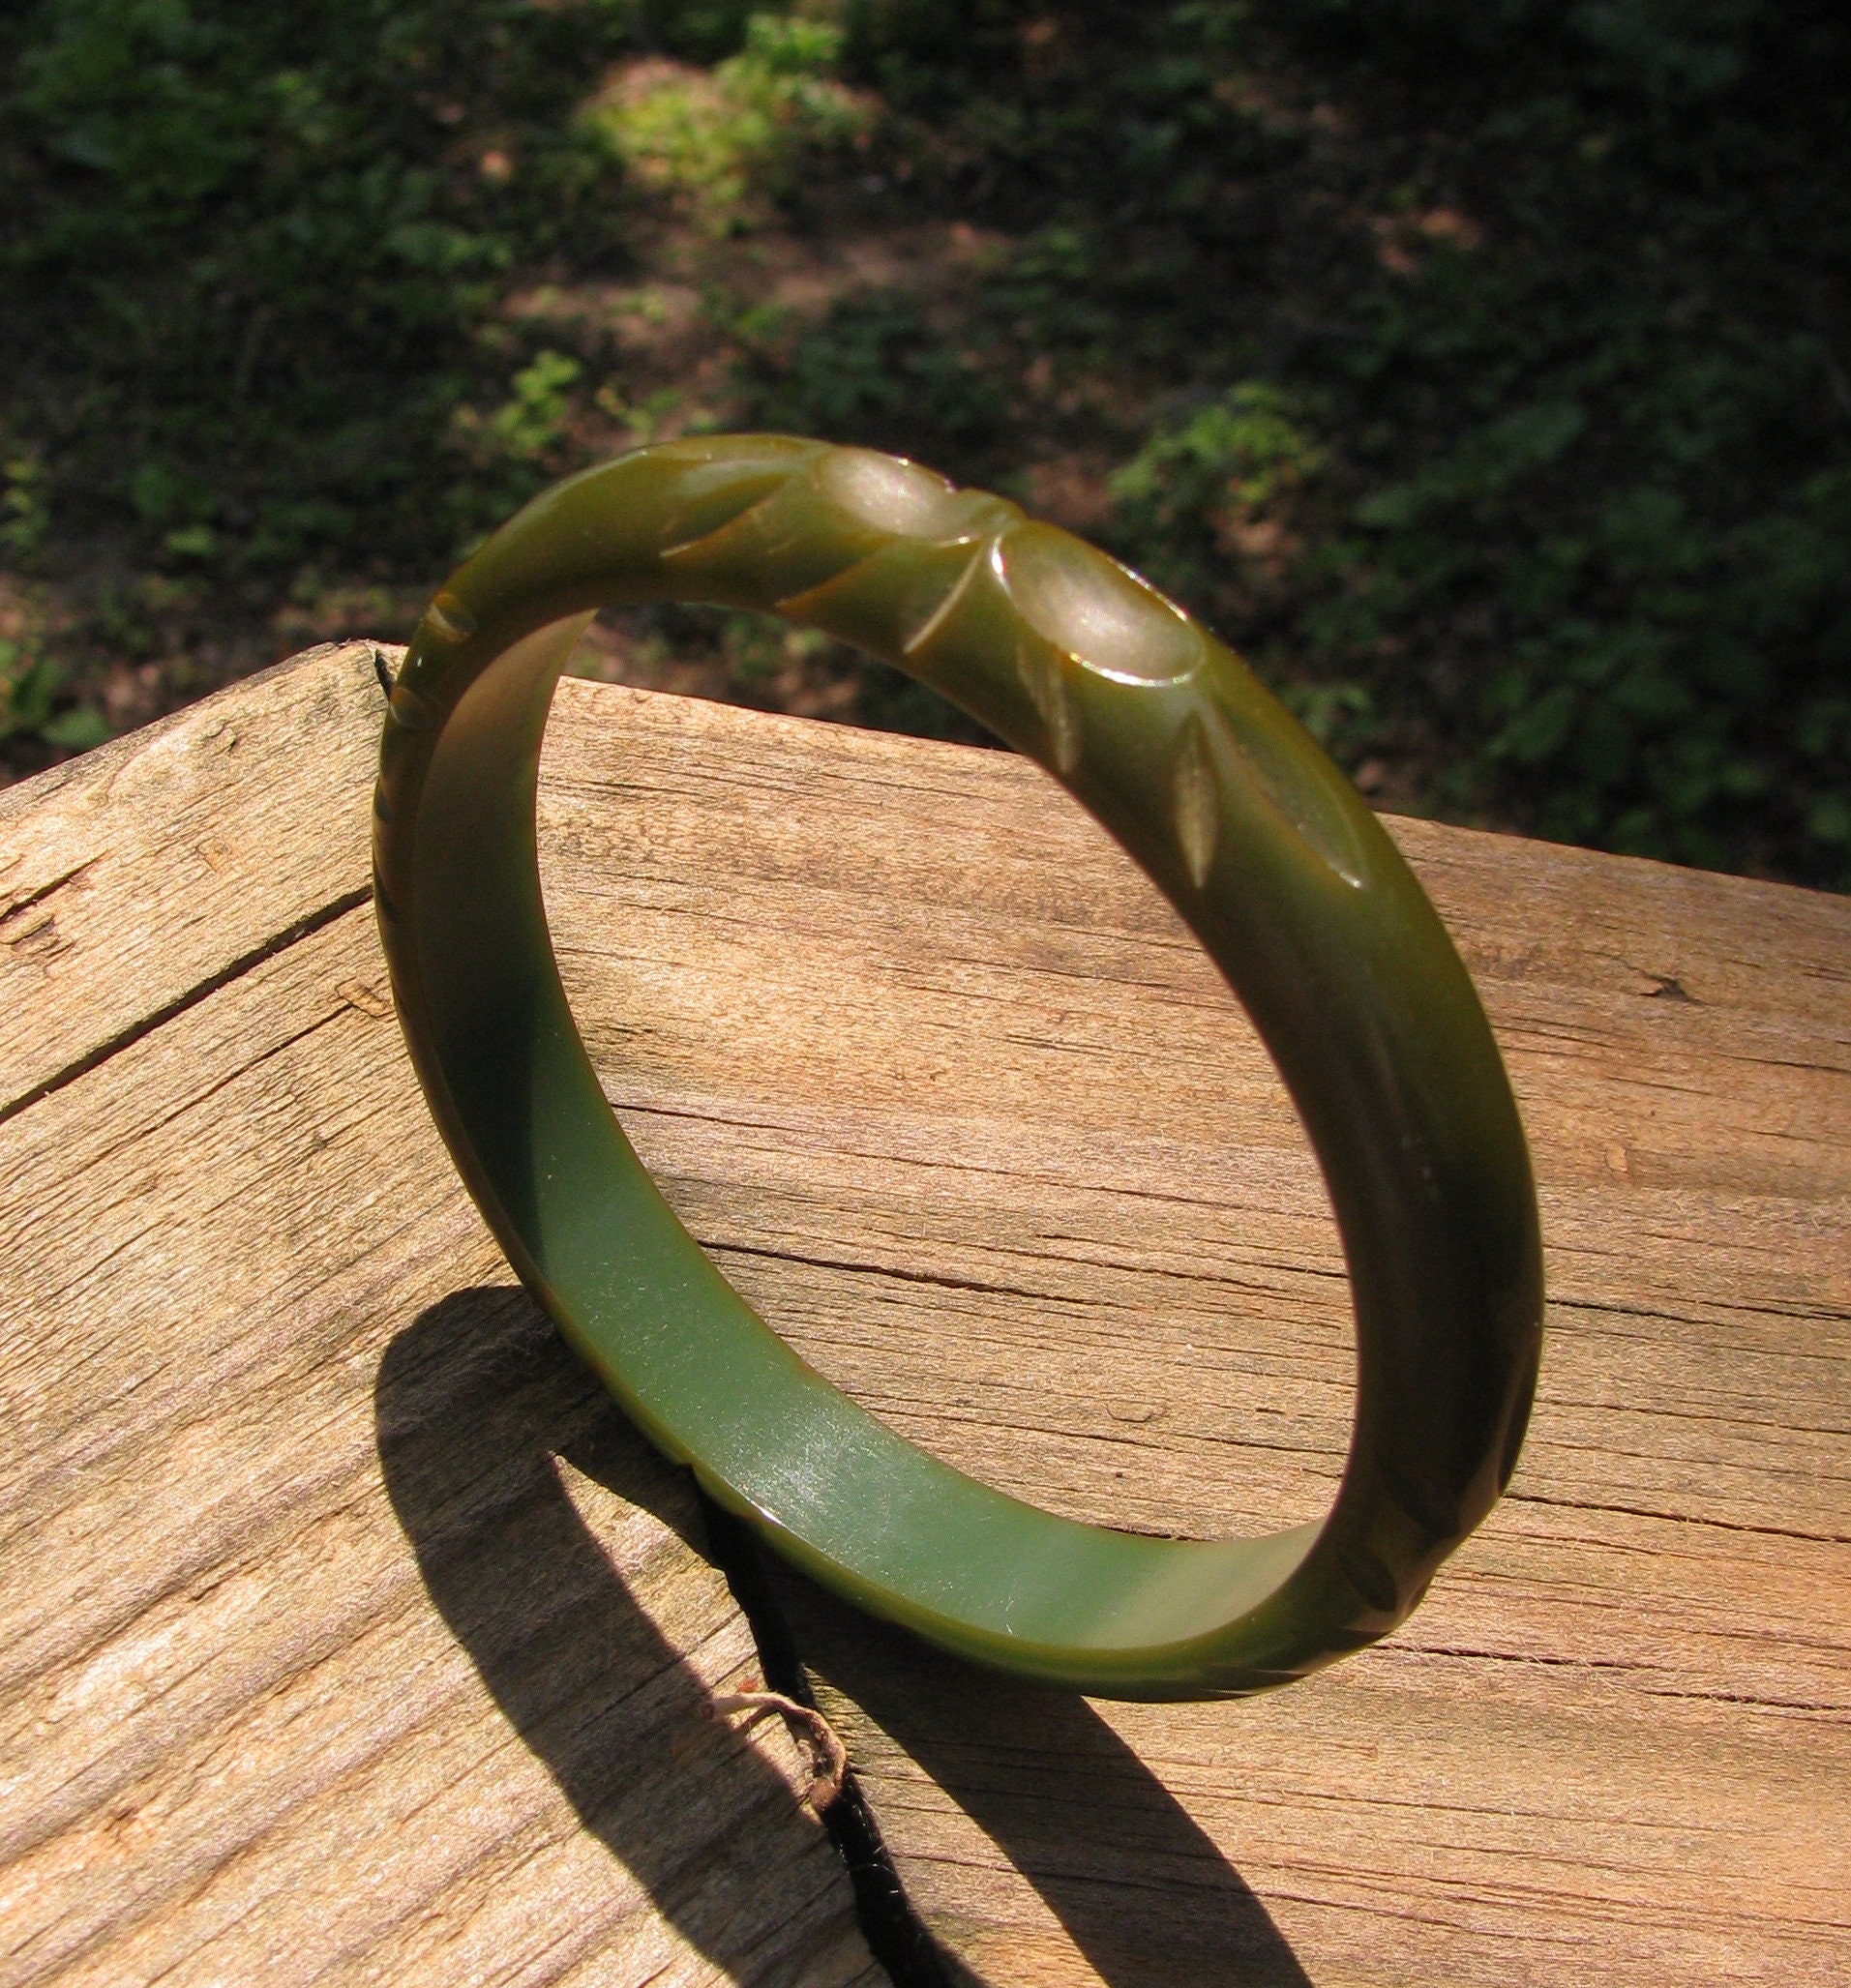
[{"x": 1249, "y": 831}]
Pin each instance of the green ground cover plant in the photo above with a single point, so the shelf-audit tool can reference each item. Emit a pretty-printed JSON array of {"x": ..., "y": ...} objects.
[{"x": 1480, "y": 369}]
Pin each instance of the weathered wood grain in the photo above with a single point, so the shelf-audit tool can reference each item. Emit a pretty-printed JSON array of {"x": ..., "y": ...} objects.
[
  {"x": 949, "y": 1093},
  {"x": 346, "y": 1634},
  {"x": 132, "y": 877}
]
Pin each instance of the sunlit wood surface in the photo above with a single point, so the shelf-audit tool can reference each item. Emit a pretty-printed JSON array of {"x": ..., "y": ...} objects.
[{"x": 347, "y": 1635}]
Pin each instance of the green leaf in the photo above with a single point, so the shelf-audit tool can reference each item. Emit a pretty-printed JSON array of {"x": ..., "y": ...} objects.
[{"x": 78, "y": 730}]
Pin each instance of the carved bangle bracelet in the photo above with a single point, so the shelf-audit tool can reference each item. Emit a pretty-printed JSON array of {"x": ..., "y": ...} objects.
[{"x": 1251, "y": 833}]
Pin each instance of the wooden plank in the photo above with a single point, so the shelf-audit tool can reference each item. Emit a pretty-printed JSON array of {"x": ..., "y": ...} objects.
[
  {"x": 945, "y": 1086},
  {"x": 948, "y": 1092},
  {"x": 346, "y": 1633},
  {"x": 240, "y": 807}
]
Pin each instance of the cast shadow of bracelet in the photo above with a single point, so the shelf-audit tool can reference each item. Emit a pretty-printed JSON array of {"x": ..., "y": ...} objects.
[
  {"x": 1137, "y": 1885},
  {"x": 474, "y": 1402}
]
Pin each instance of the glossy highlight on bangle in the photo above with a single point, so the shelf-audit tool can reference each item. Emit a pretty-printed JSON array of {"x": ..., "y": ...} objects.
[{"x": 1265, "y": 850}]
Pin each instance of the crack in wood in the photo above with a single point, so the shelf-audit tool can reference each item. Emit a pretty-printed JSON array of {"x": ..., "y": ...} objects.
[
  {"x": 14, "y": 906},
  {"x": 136, "y": 1032}
]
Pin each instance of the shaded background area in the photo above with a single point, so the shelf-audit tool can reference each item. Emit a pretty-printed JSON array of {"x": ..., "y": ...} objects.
[{"x": 1477, "y": 366}]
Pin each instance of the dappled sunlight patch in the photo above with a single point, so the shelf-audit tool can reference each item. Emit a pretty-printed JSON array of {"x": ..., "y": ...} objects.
[{"x": 724, "y": 146}]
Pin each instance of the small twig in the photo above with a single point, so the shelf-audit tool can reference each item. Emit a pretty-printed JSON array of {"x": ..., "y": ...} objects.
[
  {"x": 380, "y": 670},
  {"x": 831, "y": 1757}
]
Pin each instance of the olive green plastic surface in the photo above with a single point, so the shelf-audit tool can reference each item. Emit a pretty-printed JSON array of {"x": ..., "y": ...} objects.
[{"x": 1244, "y": 824}]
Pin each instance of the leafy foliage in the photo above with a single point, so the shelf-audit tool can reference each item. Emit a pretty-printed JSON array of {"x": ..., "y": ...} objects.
[
  {"x": 1489, "y": 369},
  {"x": 32, "y": 701},
  {"x": 732, "y": 143},
  {"x": 1477, "y": 367},
  {"x": 249, "y": 275},
  {"x": 877, "y": 371}
]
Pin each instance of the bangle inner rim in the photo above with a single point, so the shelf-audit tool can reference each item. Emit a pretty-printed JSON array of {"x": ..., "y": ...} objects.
[
  {"x": 1292, "y": 887},
  {"x": 691, "y": 1362}
]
